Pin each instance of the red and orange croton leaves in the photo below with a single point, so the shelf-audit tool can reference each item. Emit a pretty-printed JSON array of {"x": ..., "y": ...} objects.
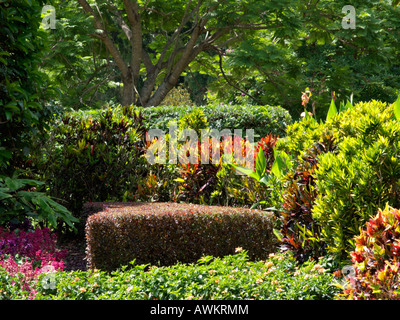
[{"x": 376, "y": 259}]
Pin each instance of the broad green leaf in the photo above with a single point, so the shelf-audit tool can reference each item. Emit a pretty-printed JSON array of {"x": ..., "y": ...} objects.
[
  {"x": 12, "y": 106},
  {"x": 4, "y": 195},
  {"x": 13, "y": 184},
  {"x": 8, "y": 115},
  {"x": 281, "y": 163},
  {"x": 341, "y": 107},
  {"x": 265, "y": 179},
  {"x": 247, "y": 172},
  {"x": 397, "y": 108},
  {"x": 277, "y": 167},
  {"x": 332, "y": 111},
  {"x": 42, "y": 203},
  {"x": 261, "y": 163},
  {"x": 58, "y": 207},
  {"x": 31, "y": 182},
  {"x": 278, "y": 234}
]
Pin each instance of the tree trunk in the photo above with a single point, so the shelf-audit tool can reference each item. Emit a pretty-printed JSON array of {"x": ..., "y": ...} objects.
[
  {"x": 160, "y": 94},
  {"x": 128, "y": 91}
]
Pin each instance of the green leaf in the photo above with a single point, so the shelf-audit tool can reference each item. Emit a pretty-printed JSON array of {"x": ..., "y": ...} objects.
[
  {"x": 397, "y": 108},
  {"x": 280, "y": 164},
  {"x": 4, "y": 195},
  {"x": 6, "y": 154},
  {"x": 13, "y": 184},
  {"x": 265, "y": 179},
  {"x": 247, "y": 172},
  {"x": 307, "y": 116},
  {"x": 12, "y": 106},
  {"x": 278, "y": 234},
  {"x": 261, "y": 163},
  {"x": 8, "y": 115},
  {"x": 332, "y": 111},
  {"x": 31, "y": 182}
]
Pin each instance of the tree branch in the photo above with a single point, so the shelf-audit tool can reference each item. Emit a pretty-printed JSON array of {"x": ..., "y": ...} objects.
[
  {"x": 101, "y": 34},
  {"x": 232, "y": 84},
  {"x": 108, "y": 78},
  {"x": 176, "y": 34},
  {"x": 121, "y": 22},
  {"x": 132, "y": 11}
]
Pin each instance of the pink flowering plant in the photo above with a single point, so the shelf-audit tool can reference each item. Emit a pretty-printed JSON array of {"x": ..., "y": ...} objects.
[{"x": 24, "y": 254}]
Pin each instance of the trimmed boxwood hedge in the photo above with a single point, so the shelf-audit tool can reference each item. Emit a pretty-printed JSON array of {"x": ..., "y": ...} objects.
[{"x": 167, "y": 233}]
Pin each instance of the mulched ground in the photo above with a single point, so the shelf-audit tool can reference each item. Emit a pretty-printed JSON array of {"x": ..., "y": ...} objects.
[{"x": 76, "y": 257}]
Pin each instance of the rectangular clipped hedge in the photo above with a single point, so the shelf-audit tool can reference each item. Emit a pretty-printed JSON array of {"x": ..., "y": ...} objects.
[{"x": 167, "y": 233}]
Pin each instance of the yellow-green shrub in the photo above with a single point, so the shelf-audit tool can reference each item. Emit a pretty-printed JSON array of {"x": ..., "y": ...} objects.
[
  {"x": 361, "y": 177},
  {"x": 351, "y": 183}
]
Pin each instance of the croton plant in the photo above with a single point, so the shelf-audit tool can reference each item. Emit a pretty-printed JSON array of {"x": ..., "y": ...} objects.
[{"x": 376, "y": 259}]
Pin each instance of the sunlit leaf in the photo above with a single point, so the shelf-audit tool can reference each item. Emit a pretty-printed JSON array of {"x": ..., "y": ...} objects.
[{"x": 332, "y": 111}]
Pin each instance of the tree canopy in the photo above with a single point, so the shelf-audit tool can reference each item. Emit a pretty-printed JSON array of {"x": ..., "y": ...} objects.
[
  {"x": 259, "y": 52},
  {"x": 153, "y": 42}
]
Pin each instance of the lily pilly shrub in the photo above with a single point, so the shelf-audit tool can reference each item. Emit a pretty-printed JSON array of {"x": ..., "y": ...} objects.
[
  {"x": 376, "y": 259},
  {"x": 166, "y": 233}
]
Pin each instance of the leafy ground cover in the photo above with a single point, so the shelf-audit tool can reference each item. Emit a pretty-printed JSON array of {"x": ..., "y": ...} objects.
[{"x": 231, "y": 277}]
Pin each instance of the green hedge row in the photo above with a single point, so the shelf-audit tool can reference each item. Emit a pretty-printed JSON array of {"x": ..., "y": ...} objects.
[
  {"x": 232, "y": 277},
  {"x": 262, "y": 119},
  {"x": 165, "y": 233}
]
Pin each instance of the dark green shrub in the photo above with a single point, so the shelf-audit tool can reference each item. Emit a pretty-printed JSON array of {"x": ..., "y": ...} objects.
[
  {"x": 24, "y": 91},
  {"x": 94, "y": 157},
  {"x": 164, "y": 233},
  {"x": 20, "y": 200},
  {"x": 262, "y": 119},
  {"x": 24, "y": 108}
]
